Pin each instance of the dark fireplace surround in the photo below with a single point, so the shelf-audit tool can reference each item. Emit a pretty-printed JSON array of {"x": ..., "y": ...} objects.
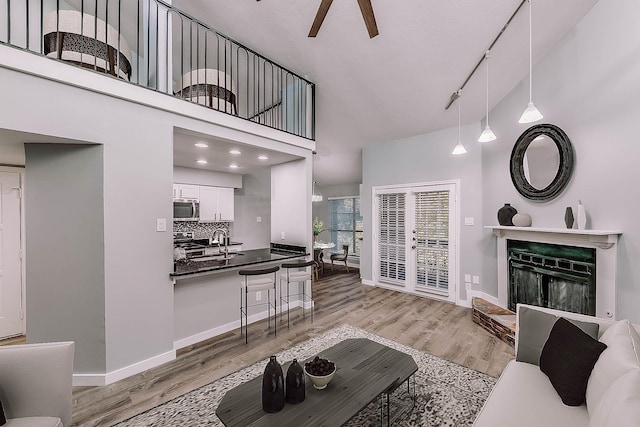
[{"x": 550, "y": 275}]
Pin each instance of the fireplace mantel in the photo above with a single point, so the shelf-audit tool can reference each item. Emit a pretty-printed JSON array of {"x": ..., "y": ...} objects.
[{"x": 604, "y": 241}]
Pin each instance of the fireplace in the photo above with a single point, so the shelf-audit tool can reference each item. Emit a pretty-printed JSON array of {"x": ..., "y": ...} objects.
[
  {"x": 553, "y": 276},
  {"x": 568, "y": 269}
]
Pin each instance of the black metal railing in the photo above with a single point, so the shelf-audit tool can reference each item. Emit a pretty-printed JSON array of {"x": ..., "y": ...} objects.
[{"x": 152, "y": 44}]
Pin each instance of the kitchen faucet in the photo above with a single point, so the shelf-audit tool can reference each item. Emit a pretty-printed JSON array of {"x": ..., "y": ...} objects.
[{"x": 213, "y": 239}]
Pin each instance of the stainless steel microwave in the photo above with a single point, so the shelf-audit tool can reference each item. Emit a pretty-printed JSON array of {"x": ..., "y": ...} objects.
[{"x": 186, "y": 210}]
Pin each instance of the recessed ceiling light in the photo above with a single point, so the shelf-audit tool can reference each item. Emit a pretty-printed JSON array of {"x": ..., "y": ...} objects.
[
  {"x": 233, "y": 166},
  {"x": 263, "y": 157},
  {"x": 201, "y": 145},
  {"x": 202, "y": 161},
  {"x": 234, "y": 151}
]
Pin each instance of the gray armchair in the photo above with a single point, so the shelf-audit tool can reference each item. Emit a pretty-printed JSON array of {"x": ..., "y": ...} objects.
[{"x": 36, "y": 383}]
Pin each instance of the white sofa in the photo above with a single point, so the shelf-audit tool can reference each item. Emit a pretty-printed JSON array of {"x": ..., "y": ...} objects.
[
  {"x": 525, "y": 396},
  {"x": 36, "y": 384}
]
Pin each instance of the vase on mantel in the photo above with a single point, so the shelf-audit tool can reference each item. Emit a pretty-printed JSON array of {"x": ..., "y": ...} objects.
[
  {"x": 582, "y": 216},
  {"x": 505, "y": 214},
  {"x": 568, "y": 217}
]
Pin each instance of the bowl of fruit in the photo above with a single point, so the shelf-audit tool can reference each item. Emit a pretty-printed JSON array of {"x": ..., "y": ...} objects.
[{"x": 320, "y": 371}]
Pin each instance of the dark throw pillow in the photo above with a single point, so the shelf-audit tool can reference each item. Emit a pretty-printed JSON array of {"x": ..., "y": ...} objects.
[
  {"x": 534, "y": 329},
  {"x": 3, "y": 418},
  {"x": 567, "y": 359}
]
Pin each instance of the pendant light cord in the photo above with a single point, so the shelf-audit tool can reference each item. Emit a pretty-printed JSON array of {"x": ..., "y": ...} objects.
[
  {"x": 459, "y": 102},
  {"x": 530, "y": 57},
  {"x": 486, "y": 59}
]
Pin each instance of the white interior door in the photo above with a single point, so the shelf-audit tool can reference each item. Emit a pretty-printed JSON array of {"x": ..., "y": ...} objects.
[{"x": 10, "y": 255}]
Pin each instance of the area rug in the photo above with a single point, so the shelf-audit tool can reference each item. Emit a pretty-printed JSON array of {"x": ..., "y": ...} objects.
[{"x": 447, "y": 394}]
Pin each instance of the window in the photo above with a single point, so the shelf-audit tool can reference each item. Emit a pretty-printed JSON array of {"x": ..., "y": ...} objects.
[{"x": 345, "y": 225}]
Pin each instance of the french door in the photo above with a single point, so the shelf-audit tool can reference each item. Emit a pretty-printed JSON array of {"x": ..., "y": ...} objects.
[{"x": 415, "y": 238}]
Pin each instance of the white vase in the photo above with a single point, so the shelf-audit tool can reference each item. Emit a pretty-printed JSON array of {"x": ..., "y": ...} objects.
[{"x": 582, "y": 216}]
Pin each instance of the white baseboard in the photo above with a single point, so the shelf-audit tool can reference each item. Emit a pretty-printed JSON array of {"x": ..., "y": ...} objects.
[
  {"x": 85, "y": 380},
  {"x": 368, "y": 282},
  {"x": 486, "y": 297}
]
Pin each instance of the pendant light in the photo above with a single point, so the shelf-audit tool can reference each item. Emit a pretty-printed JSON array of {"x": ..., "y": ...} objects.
[
  {"x": 315, "y": 197},
  {"x": 459, "y": 148},
  {"x": 487, "y": 134},
  {"x": 531, "y": 113}
]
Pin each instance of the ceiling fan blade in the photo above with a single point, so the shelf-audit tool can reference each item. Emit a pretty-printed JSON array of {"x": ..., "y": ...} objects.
[
  {"x": 369, "y": 17},
  {"x": 317, "y": 22}
]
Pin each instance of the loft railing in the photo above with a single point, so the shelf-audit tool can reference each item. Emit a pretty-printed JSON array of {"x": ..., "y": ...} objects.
[{"x": 152, "y": 44}]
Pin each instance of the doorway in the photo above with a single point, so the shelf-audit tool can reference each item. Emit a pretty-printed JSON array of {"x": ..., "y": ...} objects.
[
  {"x": 415, "y": 238},
  {"x": 11, "y": 253}
]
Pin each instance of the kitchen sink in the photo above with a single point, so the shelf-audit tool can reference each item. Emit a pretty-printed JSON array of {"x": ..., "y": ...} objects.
[{"x": 216, "y": 257}]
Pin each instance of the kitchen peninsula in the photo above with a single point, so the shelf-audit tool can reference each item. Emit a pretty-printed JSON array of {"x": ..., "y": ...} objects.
[{"x": 207, "y": 293}]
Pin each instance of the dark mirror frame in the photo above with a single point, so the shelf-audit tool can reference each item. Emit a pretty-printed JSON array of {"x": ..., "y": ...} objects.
[{"x": 563, "y": 175}]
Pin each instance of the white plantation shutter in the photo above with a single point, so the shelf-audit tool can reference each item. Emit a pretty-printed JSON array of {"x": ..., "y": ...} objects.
[
  {"x": 391, "y": 238},
  {"x": 432, "y": 240}
]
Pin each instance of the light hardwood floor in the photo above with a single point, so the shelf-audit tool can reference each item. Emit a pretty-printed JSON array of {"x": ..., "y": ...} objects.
[{"x": 436, "y": 327}]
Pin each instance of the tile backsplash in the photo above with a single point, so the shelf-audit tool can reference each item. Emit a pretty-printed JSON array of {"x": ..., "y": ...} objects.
[{"x": 201, "y": 230}]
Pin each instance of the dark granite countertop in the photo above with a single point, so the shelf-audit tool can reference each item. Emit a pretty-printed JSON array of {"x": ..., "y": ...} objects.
[{"x": 241, "y": 259}]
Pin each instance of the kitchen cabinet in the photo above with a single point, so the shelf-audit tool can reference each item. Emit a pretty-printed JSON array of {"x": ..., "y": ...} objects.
[
  {"x": 216, "y": 204},
  {"x": 186, "y": 191}
]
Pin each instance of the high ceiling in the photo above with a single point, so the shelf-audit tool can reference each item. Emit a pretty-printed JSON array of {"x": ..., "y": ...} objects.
[{"x": 398, "y": 83}]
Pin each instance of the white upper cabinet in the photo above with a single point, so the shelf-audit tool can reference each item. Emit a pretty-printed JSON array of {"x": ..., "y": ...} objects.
[
  {"x": 186, "y": 191},
  {"x": 216, "y": 204}
]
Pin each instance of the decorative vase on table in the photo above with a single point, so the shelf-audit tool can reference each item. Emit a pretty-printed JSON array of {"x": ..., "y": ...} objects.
[
  {"x": 295, "y": 389},
  {"x": 568, "y": 217},
  {"x": 505, "y": 214},
  {"x": 272, "y": 387}
]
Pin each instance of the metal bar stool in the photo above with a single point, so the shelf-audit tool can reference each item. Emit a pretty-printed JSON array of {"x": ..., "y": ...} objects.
[
  {"x": 257, "y": 284},
  {"x": 294, "y": 275}
]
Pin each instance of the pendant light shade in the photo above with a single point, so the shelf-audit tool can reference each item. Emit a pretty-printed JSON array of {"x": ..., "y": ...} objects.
[
  {"x": 487, "y": 134},
  {"x": 315, "y": 197},
  {"x": 531, "y": 113},
  {"x": 459, "y": 148}
]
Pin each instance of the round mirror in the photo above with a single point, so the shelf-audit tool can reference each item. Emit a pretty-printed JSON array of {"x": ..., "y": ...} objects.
[{"x": 541, "y": 162}]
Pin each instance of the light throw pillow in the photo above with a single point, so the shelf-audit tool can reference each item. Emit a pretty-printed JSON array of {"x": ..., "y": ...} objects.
[
  {"x": 567, "y": 359},
  {"x": 534, "y": 329},
  {"x": 621, "y": 356},
  {"x": 620, "y": 404}
]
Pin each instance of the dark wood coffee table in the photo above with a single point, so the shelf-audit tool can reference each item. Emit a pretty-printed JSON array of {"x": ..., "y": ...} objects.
[{"x": 365, "y": 371}]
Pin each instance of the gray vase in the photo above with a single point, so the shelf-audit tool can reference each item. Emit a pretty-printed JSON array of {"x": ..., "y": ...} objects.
[
  {"x": 505, "y": 214},
  {"x": 568, "y": 217}
]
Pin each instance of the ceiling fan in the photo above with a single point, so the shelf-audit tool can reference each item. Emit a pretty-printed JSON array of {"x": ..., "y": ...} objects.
[{"x": 365, "y": 8}]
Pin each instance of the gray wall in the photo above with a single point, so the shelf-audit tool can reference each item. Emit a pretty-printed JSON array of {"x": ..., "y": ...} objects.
[
  {"x": 66, "y": 294},
  {"x": 421, "y": 159},
  {"x": 251, "y": 201},
  {"x": 588, "y": 85}
]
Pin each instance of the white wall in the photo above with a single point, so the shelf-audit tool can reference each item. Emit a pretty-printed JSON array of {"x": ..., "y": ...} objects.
[
  {"x": 253, "y": 200},
  {"x": 588, "y": 85},
  {"x": 291, "y": 203}
]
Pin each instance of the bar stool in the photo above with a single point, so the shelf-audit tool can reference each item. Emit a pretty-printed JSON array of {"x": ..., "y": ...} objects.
[
  {"x": 294, "y": 275},
  {"x": 256, "y": 284}
]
